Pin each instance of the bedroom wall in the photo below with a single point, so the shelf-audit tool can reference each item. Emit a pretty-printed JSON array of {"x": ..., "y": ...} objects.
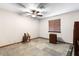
[
  {"x": 12, "y": 27},
  {"x": 67, "y": 23}
]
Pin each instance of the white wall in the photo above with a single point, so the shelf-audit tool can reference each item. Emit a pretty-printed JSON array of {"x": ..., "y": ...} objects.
[
  {"x": 67, "y": 23},
  {"x": 12, "y": 27}
]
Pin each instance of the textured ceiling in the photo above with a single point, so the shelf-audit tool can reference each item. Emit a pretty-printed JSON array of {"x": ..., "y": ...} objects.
[{"x": 50, "y": 9}]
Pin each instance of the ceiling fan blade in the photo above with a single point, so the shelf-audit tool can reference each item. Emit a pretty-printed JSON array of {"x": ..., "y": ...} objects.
[
  {"x": 23, "y": 13},
  {"x": 26, "y": 14},
  {"x": 42, "y": 5},
  {"x": 26, "y": 10},
  {"x": 40, "y": 15},
  {"x": 20, "y": 4}
]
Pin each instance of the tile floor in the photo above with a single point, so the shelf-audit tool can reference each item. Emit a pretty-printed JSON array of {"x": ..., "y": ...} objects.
[{"x": 36, "y": 47}]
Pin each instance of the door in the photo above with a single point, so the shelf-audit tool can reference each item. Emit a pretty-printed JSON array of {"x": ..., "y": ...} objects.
[{"x": 76, "y": 39}]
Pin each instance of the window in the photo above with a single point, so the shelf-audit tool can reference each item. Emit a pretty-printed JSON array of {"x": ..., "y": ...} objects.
[{"x": 54, "y": 26}]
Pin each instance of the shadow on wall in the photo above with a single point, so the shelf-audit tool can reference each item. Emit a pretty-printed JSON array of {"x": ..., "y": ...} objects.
[{"x": 60, "y": 39}]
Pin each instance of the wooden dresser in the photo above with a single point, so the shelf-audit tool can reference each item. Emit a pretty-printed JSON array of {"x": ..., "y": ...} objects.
[{"x": 53, "y": 38}]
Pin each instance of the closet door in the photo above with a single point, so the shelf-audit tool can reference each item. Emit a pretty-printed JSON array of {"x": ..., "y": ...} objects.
[{"x": 76, "y": 39}]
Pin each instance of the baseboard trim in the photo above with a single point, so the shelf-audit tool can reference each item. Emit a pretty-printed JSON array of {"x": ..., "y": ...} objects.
[
  {"x": 9, "y": 44},
  {"x": 35, "y": 38},
  {"x": 31, "y": 39},
  {"x": 64, "y": 42},
  {"x": 15, "y": 43},
  {"x": 43, "y": 38},
  {"x": 57, "y": 40}
]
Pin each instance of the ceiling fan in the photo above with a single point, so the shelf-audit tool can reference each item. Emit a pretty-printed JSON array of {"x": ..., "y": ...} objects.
[
  {"x": 33, "y": 13},
  {"x": 37, "y": 12}
]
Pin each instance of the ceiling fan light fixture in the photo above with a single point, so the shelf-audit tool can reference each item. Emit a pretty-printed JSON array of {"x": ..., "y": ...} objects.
[{"x": 33, "y": 15}]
